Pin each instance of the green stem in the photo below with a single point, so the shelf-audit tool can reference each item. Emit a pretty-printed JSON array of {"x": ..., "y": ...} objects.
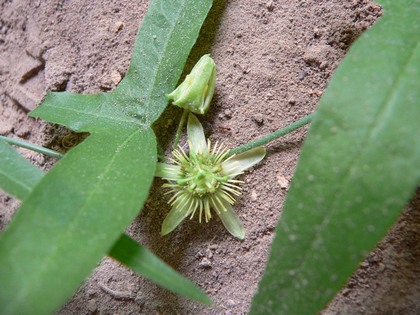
[
  {"x": 181, "y": 124},
  {"x": 272, "y": 136},
  {"x": 32, "y": 147},
  {"x": 245, "y": 147}
]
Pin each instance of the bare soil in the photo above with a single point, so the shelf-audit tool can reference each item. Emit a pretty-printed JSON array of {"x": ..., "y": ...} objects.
[{"x": 274, "y": 59}]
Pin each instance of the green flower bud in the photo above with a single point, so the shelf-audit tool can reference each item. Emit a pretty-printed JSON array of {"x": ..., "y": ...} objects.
[{"x": 196, "y": 91}]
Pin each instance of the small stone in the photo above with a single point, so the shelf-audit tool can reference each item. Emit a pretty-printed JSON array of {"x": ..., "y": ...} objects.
[
  {"x": 317, "y": 32},
  {"x": 213, "y": 246},
  {"x": 324, "y": 65},
  {"x": 302, "y": 75},
  {"x": 270, "y": 6},
  {"x": 115, "y": 77},
  {"x": 118, "y": 26},
  {"x": 254, "y": 195},
  {"x": 209, "y": 253},
  {"x": 283, "y": 182},
  {"x": 259, "y": 119},
  {"x": 92, "y": 306},
  {"x": 317, "y": 55},
  {"x": 230, "y": 303},
  {"x": 199, "y": 255},
  {"x": 205, "y": 263},
  {"x": 91, "y": 293},
  {"x": 228, "y": 113}
]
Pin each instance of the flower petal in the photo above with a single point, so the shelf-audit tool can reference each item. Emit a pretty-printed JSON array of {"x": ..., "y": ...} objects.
[
  {"x": 230, "y": 220},
  {"x": 173, "y": 219},
  {"x": 241, "y": 162},
  {"x": 196, "y": 136},
  {"x": 168, "y": 171}
]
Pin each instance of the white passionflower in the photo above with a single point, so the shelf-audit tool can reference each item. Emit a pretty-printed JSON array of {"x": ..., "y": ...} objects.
[{"x": 204, "y": 179}]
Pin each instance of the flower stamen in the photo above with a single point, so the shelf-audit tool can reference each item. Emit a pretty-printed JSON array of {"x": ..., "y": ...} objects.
[{"x": 204, "y": 179}]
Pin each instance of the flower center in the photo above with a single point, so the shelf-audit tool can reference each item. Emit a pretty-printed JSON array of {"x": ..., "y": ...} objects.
[{"x": 201, "y": 176}]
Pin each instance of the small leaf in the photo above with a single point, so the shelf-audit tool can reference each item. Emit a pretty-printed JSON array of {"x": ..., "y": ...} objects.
[{"x": 358, "y": 167}]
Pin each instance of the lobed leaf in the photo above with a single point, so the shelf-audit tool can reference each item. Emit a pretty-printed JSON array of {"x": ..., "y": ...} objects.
[
  {"x": 72, "y": 218},
  {"x": 80, "y": 208},
  {"x": 358, "y": 167},
  {"x": 126, "y": 250}
]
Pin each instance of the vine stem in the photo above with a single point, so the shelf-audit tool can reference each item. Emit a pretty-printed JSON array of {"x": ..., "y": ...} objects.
[
  {"x": 242, "y": 148},
  {"x": 32, "y": 147},
  {"x": 272, "y": 136},
  {"x": 180, "y": 126}
]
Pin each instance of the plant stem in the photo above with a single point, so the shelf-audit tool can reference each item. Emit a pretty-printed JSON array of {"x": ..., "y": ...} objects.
[
  {"x": 181, "y": 124},
  {"x": 242, "y": 148},
  {"x": 272, "y": 136},
  {"x": 32, "y": 147}
]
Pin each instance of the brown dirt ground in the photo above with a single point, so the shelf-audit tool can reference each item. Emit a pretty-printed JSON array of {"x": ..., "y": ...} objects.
[{"x": 274, "y": 60}]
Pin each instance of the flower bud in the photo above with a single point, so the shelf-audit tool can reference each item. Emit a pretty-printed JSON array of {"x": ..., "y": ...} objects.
[{"x": 196, "y": 91}]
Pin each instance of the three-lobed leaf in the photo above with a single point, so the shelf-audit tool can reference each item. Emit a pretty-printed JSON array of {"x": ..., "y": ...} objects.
[
  {"x": 21, "y": 177},
  {"x": 71, "y": 219},
  {"x": 79, "y": 209},
  {"x": 358, "y": 167}
]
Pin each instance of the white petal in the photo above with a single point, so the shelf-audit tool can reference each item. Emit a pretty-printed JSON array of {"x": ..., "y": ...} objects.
[
  {"x": 231, "y": 221},
  {"x": 168, "y": 171},
  {"x": 241, "y": 162},
  {"x": 173, "y": 219},
  {"x": 196, "y": 137}
]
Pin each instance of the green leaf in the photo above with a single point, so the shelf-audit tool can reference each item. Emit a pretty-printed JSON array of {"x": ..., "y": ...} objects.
[
  {"x": 55, "y": 242},
  {"x": 358, "y": 167},
  {"x": 80, "y": 208},
  {"x": 17, "y": 175},
  {"x": 125, "y": 250},
  {"x": 168, "y": 32},
  {"x": 141, "y": 260}
]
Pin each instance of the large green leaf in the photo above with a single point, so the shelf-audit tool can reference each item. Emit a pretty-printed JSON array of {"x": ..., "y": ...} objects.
[
  {"x": 72, "y": 218},
  {"x": 21, "y": 177},
  {"x": 358, "y": 167},
  {"x": 80, "y": 208}
]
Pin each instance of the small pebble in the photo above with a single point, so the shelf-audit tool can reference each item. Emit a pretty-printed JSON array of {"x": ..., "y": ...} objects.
[
  {"x": 118, "y": 26},
  {"x": 205, "y": 263},
  {"x": 283, "y": 182}
]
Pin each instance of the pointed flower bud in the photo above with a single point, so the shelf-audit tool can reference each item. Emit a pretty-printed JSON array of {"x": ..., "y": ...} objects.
[{"x": 196, "y": 91}]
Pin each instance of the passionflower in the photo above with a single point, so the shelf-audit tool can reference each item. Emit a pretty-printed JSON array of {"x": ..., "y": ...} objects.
[
  {"x": 204, "y": 179},
  {"x": 196, "y": 91}
]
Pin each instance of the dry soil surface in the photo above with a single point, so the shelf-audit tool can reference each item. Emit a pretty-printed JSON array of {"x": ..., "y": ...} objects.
[{"x": 274, "y": 59}]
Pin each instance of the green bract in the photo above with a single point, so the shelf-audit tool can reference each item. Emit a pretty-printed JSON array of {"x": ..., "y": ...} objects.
[
  {"x": 204, "y": 179},
  {"x": 196, "y": 91}
]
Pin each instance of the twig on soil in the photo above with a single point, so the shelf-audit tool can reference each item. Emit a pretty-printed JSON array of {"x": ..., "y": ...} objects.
[{"x": 118, "y": 295}]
